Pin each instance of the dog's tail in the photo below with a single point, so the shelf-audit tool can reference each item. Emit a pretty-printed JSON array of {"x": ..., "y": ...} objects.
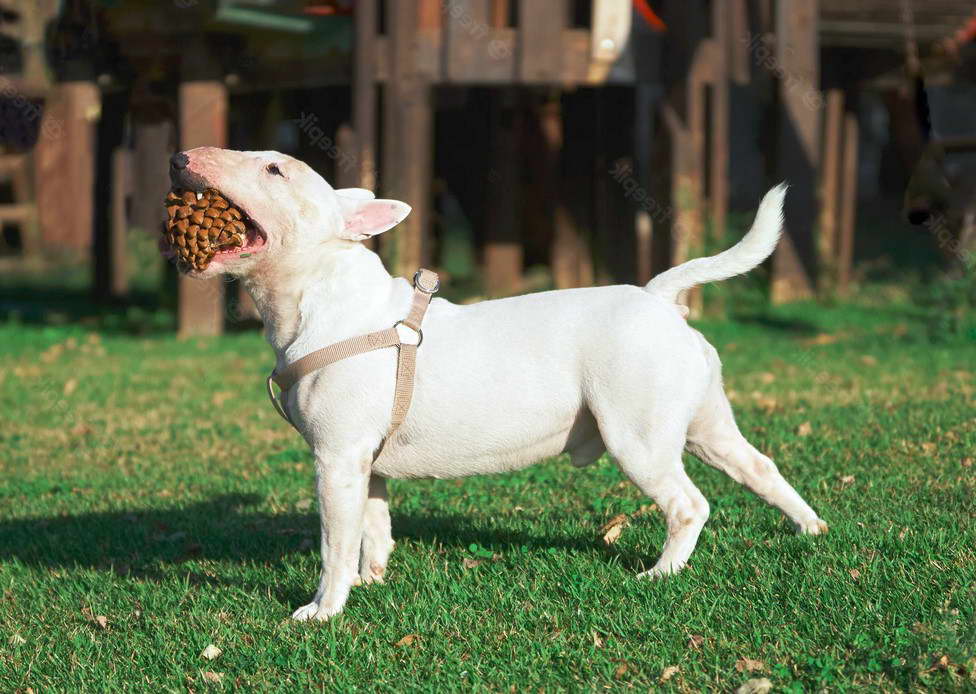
[{"x": 754, "y": 248}]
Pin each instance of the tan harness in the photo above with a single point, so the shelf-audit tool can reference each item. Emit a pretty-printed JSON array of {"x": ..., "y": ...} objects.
[{"x": 425, "y": 285}]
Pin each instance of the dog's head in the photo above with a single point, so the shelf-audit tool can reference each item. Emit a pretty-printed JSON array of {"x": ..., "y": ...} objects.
[{"x": 288, "y": 211}]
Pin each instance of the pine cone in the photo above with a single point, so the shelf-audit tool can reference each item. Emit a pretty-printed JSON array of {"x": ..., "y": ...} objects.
[{"x": 197, "y": 228}]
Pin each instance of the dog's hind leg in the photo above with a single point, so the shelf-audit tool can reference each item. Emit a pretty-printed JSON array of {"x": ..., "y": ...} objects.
[
  {"x": 377, "y": 533},
  {"x": 714, "y": 437},
  {"x": 654, "y": 465}
]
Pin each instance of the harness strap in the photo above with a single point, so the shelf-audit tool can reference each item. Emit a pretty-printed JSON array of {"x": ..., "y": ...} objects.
[{"x": 425, "y": 284}]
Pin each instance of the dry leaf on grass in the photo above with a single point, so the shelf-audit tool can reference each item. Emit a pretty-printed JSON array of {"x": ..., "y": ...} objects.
[
  {"x": 621, "y": 670},
  {"x": 99, "y": 620},
  {"x": 855, "y": 574},
  {"x": 213, "y": 677},
  {"x": 597, "y": 640},
  {"x": 408, "y": 640},
  {"x": 847, "y": 480},
  {"x": 17, "y": 640},
  {"x": 804, "y": 429},
  {"x": 211, "y": 652},
  {"x": 767, "y": 377},
  {"x": 928, "y": 447},
  {"x": 868, "y": 360},
  {"x": 70, "y": 386},
  {"x": 614, "y": 527},
  {"x": 669, "y": 672},
  {"x": 696, "y": 641},
  {"x": 303, "y": 505},
  {"x": 470, "y": 563},
  {"x": 822, "y": 339},
  {"x": 755, "y": 686},
  {"x": 749, "y": 665}
]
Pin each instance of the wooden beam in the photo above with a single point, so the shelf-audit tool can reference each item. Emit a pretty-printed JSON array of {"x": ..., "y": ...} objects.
[
  {"x": 540, "y": 49},
  {"x": 848, "y": 210},
  {"x": 831, "y": 176},
  {"x": 407, "y": 140},
  {"x": 798, "y": 56},
  {"x": 203, "y": 122},
  {"x": 466, "y": 33}
]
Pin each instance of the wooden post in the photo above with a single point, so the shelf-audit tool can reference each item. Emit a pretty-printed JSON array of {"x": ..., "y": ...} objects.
[
  {"x": 364, "y": 92},
  {"x": 830, "y": 179},
  {"x": 719, "y": 69},
  {"x": 798, "y": 56},
  {"x": 684, "y": 115},
  {"x": 203, "y": 122},
  {"x": 848, "y": 211},
  {"x": 65, "y": 166},
  {"x": 118, "y": 242},
  {"x": 503, "y": 245},
  {"x": 407, "y": 138}
]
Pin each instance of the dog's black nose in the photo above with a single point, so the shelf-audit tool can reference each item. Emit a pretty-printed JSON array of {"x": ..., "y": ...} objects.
[{"x": 179, "y": 161}]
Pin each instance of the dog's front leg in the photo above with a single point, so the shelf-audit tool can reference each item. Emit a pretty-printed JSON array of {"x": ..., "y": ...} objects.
[{"x": 342, "y": 485}]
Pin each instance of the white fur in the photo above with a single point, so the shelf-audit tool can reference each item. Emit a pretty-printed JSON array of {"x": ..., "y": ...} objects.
[{"x": 500, "y": 384}]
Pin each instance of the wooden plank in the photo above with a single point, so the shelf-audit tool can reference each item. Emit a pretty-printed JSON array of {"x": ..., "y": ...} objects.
[
  {"x": 540, "y": 40},
  {"x": 503, "y": 244},
  {"x": 408, "y": 140},
  {"x": 119, "y": 231},
  {"x": 830, "y": 179},
  {"x": 203, "y": 122},
  {"x": 848, "y": 210},
  {"x": 798, "y": 54},
  {"x": 364, "y": 92}
]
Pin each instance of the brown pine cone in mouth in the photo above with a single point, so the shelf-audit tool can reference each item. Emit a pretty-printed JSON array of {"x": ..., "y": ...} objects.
[{"x": 197, "y": 228}]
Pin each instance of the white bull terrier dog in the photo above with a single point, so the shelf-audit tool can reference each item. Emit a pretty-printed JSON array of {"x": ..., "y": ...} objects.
[{"x": 500, "y": 384}]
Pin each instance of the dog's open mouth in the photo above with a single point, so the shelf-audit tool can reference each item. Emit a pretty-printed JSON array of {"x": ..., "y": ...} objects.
[{"x": 204, "y": 226}]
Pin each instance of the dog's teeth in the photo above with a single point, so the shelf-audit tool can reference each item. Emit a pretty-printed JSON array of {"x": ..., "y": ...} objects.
[{"x": 199, "y": 196}]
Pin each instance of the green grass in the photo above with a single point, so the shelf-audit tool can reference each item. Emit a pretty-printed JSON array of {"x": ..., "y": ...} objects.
[{"x": 147, "y": 481}]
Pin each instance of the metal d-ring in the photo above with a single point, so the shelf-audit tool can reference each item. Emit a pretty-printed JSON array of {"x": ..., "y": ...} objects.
[{"x": 419, "y": 332}]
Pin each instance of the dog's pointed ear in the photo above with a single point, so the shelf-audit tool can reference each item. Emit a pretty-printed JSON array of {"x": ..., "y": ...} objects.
[{"x": 363, "y": 216}]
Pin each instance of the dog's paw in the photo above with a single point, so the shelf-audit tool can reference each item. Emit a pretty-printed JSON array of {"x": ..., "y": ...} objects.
[
  {"x": 314, "y": 612},
  {"x": 814, "y": 527},
  {"x": 372, "y": 574},
  {"x": 659, "y": 571}
]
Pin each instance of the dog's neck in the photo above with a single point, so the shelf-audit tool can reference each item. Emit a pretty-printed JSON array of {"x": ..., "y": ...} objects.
[{"x": 343, "y": 279}]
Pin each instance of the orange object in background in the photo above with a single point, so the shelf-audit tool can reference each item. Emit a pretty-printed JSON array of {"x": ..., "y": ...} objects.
[
  {"x": 328, "y": 8},
  {"x": 650, "y": 16}
]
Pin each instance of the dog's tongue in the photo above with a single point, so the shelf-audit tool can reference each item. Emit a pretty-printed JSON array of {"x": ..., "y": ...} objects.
[{"x": 201, "y": 224}]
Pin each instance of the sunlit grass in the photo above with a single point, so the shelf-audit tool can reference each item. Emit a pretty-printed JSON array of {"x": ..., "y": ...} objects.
[{"x": 148, "y": 481}]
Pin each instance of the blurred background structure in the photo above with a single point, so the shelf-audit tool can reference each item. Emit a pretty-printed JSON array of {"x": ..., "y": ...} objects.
[{"x": 541, "y": 143}]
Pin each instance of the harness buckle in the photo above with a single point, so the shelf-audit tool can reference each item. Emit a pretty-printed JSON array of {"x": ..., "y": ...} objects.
[{"x": 418, "y": 284}]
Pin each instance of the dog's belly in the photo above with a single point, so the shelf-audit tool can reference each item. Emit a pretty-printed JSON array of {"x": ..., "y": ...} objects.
[{"x": 420, "y": 458}]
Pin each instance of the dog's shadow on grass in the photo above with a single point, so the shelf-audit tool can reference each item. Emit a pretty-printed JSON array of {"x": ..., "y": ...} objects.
[{"x": 146, "y": 544}]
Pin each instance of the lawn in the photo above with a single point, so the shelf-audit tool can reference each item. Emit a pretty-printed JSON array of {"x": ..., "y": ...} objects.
[{"x": 152, "y": 503}]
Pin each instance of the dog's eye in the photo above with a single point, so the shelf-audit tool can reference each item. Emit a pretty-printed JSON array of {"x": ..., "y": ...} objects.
[{"x": 274, "y": 170}]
